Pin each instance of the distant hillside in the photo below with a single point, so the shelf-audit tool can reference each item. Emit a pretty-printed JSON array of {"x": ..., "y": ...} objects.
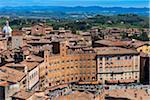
[{"x": 63, "y": 12}]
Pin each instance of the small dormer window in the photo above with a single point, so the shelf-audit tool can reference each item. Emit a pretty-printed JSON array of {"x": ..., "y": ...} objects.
[
  {"x": 29, "y": 58},
  {"x": 37, "y": 29}
]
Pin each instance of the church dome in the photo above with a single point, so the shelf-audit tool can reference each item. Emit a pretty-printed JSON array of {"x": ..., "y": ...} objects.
[{"x": 7, "y": 29}]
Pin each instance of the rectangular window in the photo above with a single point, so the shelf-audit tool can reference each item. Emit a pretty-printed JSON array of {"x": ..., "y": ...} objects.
[
  {"x": 63, "y": 68},
  {"x": 106, "y": 75},
  {"x": 106, "y": 68},
  {"x": 126, "y": 57},
  {"x": 63, "y": 61},
  {"x": 130, "y": 57},
  {"x": 107, "y": 58},
  {"x": 93, "y": 73},
  {"x": 100, "y": 58},
  {"x": 110, "y": 68},
  {"x": 118, "y": 58},
  {"x": 101, "y": 69},
  {"x": 136, "y": 66}
]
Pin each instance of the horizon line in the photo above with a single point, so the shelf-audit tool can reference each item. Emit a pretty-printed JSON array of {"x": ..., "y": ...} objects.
[{"x": 73, "y": 6}]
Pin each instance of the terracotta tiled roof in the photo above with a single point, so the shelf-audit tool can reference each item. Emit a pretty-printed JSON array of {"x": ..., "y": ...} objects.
[
  {"x": 11, "y": 75},
  {"x": 114, "y": 51},
  {"x": 33, "y": 58},
  {"x": 23, "y": 95},
  {"x": 111, "y": 43},
  {"x": 137, "y": 44},
  {"x": 39, "y": 41},
  {"x": 76, "y": 95},
  {"x": 30, "y": 65},
  {"x": 134, "y": 94},
  {"x": 17, "y": 33}
]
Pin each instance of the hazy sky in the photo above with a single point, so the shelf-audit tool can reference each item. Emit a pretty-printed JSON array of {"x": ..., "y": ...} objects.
[{"x": 106, "y": 3}]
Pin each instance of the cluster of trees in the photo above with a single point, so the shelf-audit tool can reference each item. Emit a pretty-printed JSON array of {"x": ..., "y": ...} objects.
[
  {"x": 142, "y": 37},
  {"x": 120, "y": 20},
  {"x": 124, "y": 20}
]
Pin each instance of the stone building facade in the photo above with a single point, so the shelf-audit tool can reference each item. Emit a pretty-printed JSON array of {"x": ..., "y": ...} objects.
[{"x": 70, "y": 65}]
